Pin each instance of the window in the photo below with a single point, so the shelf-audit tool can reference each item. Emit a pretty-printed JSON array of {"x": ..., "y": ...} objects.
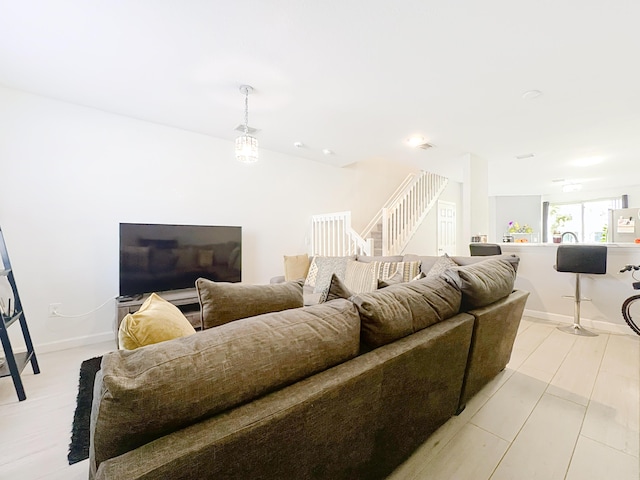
[{"x": 587, "y": 220}]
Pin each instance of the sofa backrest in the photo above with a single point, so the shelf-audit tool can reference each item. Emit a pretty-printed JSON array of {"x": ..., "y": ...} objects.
[{"x": 141, "y": 395}]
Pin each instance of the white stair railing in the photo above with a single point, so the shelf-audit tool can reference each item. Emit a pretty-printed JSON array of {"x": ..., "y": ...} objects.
[
  {"x": 332, "y": 235},
  {"x": 400, "y": 217}
]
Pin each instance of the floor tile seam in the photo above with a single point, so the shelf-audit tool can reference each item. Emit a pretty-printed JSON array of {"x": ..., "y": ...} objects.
[
  {"x": 555, "y": 372},
  {"x": 595, "y": 376},
  {"x": 510, "y": 442},
  {"x": 598, "y": 371},
  {"x": 632, "y": 455}
]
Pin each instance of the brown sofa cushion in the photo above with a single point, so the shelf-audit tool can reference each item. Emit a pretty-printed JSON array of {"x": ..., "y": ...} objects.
[
  {"x": 144, "y": 394},
  {"x": 402, "y": 309},
  {"x": 223, "y": 302},
  {"x": 484, "y": 282}
]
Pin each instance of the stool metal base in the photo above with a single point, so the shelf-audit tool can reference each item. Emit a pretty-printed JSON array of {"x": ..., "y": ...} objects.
[{"x": 577, "y": 329}]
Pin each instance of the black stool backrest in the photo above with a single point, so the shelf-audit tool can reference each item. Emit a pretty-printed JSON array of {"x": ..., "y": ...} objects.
[
  {"x": 484, "y": 249},
  {"x": 582, "y": 259}
]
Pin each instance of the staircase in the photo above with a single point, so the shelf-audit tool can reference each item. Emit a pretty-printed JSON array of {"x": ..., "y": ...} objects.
[{"x": 389, "y": 231}]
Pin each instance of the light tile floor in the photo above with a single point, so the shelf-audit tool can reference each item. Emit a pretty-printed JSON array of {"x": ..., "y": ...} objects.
[{"x": 566, "y": 407}]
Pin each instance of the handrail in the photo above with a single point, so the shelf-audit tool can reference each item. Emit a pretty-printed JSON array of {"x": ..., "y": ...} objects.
[
  {"x": 332, "y": 235},
  {"x": 402, "y": 219},
  {"x": 409, "y": 179},
  {"x": 401, "y": 216}
]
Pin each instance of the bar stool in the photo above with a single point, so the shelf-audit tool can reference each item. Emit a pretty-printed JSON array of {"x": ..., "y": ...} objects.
[
  {"x": 484, "y": 249},
  {"x": 578, "y": 259}
]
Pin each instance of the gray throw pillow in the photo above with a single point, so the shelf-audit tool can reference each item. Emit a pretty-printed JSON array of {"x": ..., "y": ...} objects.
[
  {"x": 223, "y": 302},
  {"x": 484, "y": 282},
  {"x": 405, "y": 308}
]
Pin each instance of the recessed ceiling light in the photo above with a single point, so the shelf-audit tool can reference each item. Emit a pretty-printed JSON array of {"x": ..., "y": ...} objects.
[
  {"x": 298, "y": 144},
  {"x": 326, "y": 151},
  {"x": 525, "y": 155},
  {"x": 415, "y": 140},
  {"x": 531, "y": 94}
]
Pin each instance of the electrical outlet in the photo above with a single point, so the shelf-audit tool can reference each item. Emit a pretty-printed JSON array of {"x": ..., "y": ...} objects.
[{"x": 54, "y": 309}]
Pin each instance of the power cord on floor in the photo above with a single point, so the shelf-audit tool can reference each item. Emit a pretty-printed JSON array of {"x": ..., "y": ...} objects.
[{"x": 58, "y": 314}]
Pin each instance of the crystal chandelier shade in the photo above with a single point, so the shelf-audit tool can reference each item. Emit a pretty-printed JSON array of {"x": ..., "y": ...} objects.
[{"x": 246, "y": 145}]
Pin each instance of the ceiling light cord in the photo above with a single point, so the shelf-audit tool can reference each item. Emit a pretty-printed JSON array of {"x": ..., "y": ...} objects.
[{"x": 246, "y": 110}]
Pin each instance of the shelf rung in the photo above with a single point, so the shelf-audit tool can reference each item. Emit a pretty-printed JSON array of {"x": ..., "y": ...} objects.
[
  {"x": 9, "y": 321},
  {"x": 22, "y": 358}
]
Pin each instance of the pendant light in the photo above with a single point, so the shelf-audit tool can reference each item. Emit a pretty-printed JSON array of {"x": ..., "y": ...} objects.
[{"x": 246, "y": 145}]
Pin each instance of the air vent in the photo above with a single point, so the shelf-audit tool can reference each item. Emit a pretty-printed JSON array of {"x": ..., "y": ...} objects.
[{"x": 250, "y": 131}]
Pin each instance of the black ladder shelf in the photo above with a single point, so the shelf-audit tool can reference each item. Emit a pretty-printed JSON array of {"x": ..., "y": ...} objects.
[{"x": 10, "y": 313}]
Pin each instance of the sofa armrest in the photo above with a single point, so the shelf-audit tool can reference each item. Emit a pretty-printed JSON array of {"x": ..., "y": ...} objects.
[{"x": 494, "y": 333}]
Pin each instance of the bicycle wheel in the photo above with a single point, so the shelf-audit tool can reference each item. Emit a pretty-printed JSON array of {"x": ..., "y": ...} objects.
[{"x": 630, "y": 309}]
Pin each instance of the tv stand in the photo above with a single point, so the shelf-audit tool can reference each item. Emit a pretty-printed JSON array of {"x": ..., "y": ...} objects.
[{"x": 186, "y": 300}]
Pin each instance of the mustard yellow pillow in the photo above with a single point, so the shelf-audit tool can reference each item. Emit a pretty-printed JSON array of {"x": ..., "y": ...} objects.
[
  {"x": 156, "y": 321},
  {"x": 296, "y": 267}
]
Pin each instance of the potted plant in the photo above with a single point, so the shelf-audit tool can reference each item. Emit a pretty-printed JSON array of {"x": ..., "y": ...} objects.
[{"x": 559, "y": 221}]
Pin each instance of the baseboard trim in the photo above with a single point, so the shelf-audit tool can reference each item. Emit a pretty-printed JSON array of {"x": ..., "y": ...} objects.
[
  {"x": 75, "y": 342},
  {"x": 586, "y": 322}
]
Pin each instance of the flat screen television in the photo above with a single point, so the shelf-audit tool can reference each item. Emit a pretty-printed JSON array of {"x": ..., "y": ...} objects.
[{"x": 159, "y": 258}]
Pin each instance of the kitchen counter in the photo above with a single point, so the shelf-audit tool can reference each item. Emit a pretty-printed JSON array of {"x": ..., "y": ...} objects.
[{"x": 547, "y": 286}]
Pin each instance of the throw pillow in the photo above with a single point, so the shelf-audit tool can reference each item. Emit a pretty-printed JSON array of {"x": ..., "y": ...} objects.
[
  {"x": 398, "y": 278},
  {"x": 402, "y": 309},
  {"x": 361, "y": 277},
  {"x": 337, "y": 289},
  {"x": 296, "y": 267},
  {"x": 223, "y": 302},
  {"x": 312, "y": 274},
  {"x": 327, "y": 266},
  {"x": 156, "y": 321},
  {"x": 482, "y": 283},
  {"x": 441, "y": 265}
]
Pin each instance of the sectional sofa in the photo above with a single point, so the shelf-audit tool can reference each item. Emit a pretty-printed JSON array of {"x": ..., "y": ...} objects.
[{"x": 347, "y": 388}]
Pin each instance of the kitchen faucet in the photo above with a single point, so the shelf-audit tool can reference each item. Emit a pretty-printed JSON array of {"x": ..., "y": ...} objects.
[{"x": 571, "y": 234}]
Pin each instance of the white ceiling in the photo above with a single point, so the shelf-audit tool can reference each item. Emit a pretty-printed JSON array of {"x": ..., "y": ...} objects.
[{"x": 357, "y": 77}]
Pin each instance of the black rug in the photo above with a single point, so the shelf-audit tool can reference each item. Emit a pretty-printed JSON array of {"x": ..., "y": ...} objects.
[{"x": 79, "y": 446}]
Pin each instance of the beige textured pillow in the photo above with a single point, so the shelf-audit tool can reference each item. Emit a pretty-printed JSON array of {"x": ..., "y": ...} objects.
[
  {"x": 361, "y": 277},
  {"x": 156, "y": 321},
  {"x": 296, "y": 267},
  {"x": 223, "y": 302}
]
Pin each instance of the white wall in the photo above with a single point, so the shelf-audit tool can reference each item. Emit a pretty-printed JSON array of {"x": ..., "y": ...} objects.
[
  {"x": 70, "y": 174},
  {"x": 475, "y": 197},
  {"x": 524, "y": 209}
]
